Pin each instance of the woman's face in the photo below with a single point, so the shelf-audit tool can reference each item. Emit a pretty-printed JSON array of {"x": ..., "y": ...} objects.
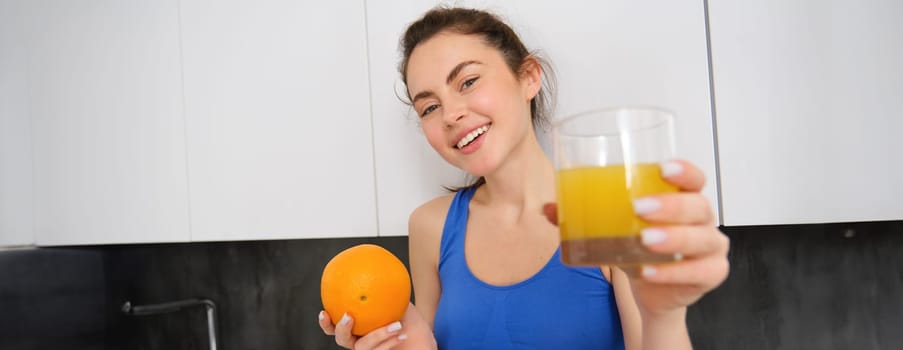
[{"x": 473, "y": 109}]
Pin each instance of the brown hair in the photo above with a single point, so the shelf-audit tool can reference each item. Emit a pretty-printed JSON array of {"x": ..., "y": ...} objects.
[{"x": 496, "y": 34}]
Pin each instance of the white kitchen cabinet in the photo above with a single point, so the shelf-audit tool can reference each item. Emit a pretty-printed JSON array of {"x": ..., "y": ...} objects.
[
  {"x": 105, "y": 101},
  {"x": 809, "y": 110},
  {"x": 605, "y": 53},
  {"x": 278, "y": 119},
  {"x": 16, "y": 228}
]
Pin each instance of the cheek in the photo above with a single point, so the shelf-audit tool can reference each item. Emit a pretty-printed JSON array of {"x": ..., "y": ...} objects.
[
  {"x": 483, "y": 103},
  {"x": 434, "y": 135},
  {"x": 494, "y": 102}
]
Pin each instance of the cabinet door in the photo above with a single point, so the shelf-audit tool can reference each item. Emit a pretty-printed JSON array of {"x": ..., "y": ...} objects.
[
  {"x": 278, "y": 119},
  {"x": 16, "y": 228},
  {"x": 107, "y": 127},
  {"x": 604, "y": 53},
  {"x": 808, "y": 104}
]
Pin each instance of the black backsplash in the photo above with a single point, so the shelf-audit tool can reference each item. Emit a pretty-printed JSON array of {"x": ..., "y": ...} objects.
[
  {"x": 267, "y": 292},
  {"x": 52, "y": 299},
  {"x": 835, "y": 286}
]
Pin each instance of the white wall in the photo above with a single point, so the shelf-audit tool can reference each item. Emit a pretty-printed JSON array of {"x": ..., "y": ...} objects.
[
  {"x": 277, "y": 118},
  {"x": 807, "y": 93},
  {"x": 105, "y": 104},
  {"x": 809, "y": 98},
  {"x": 16, "y": 227}
]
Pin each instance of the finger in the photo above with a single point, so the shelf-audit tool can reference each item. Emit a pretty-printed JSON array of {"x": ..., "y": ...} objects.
[
  {"x": 382, "y": 338},
  {"x": 703, "y": 273},
  {"x": 675, "y": 208},
  {"x": 392, "y": 342},
  {"x": 343, "y": 335},
  {"x": 326, "y": 323},
  {"x": 550, "y": 210},
  {"x": 683, "y": 174},
  {"x": 687, "y": 240}
]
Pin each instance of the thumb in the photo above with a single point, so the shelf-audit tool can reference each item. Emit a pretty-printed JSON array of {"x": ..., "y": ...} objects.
[{"x": 550, "y": 210}]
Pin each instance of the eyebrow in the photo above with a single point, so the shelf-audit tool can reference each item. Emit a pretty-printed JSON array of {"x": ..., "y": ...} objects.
[{"x": 451, "y": 76}]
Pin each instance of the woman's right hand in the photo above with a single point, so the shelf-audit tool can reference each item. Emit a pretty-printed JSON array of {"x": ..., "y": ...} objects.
[
  {"x": 391, "y": 336},
  {"x": 383, "y": 338}
]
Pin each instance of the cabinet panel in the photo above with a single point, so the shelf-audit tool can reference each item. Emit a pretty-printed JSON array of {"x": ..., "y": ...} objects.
[
  {"x": 808, "y": 110},
  {"x": 278, "y": 119},
  {"x": 16, "y": 227},
  {"x": 604, "y": 53},
  {"x": 106, "y": 107}
]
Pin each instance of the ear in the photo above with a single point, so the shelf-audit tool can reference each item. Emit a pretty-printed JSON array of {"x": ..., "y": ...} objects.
[{"x": 531, "y": 77}]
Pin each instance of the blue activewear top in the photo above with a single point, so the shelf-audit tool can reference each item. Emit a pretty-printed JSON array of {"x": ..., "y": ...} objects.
[{"x": 560, "y": 307}]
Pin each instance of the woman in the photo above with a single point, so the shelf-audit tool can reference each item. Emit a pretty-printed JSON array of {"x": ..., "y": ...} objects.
[{"x": 485, "y": 260}]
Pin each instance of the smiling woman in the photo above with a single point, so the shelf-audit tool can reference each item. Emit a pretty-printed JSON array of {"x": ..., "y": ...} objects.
[
  {"x": 481, "y": 91},
  {"x": 502, "y": 48},
  {"x": 480, "y": 94}
]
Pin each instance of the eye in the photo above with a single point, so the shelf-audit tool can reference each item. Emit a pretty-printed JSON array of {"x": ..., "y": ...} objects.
[
  {"x": 467, "y": 83},
  {"x": 428, "y": 110}
]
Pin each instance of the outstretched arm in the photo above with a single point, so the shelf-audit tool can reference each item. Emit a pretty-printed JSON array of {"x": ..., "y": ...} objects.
[{"x": 681, "y": 223}]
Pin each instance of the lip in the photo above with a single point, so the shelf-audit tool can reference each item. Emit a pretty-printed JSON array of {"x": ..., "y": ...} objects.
[
  {"x": 464, "y": 132},
  {"x": 474, "y": 146}
]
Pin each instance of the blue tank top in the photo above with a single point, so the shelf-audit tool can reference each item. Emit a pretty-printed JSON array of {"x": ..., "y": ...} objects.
[{"x": 560, "y": 307}]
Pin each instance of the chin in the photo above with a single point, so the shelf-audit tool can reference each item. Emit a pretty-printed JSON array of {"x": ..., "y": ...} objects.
[{"x": 482, "y": 167}]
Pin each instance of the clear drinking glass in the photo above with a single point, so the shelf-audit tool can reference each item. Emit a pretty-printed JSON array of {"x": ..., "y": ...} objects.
[{"x": 604, "y": 159}]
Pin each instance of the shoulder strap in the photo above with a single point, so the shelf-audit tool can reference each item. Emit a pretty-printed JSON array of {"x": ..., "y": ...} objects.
[{"x": 452, "y": 242}]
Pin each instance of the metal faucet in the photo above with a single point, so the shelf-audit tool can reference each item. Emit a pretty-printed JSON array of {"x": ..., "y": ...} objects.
[{"x": 162, "y": 308}]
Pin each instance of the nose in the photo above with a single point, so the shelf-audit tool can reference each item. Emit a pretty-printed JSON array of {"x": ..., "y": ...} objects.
[{"x": 454, "y": 111}]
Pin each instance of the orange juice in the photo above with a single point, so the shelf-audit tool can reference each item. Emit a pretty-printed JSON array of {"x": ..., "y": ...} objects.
[{"x": 595, "y": 213}]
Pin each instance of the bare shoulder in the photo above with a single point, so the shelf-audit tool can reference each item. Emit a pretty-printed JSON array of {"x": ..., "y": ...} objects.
[
  {"x": 425, "y": 234},
  {"x": 429, "y": 218}
]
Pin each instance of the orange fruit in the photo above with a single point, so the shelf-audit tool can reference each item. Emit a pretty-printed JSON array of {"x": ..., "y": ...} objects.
[{"x": 369, "y": 283}]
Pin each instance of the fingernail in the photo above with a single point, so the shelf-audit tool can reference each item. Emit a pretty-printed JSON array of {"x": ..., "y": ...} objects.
[
  {"x": 321, "y": 316},
  {"x": 644, "y": 206},
  {"x": 403, "y": 337},
  {"x": 345, "y": 319},
  {"x": 395, "y": 327},
  {"x": 649, "y": 271},
  {"x": 653, "y": 236},
  {"x": 671, "y": 168}
]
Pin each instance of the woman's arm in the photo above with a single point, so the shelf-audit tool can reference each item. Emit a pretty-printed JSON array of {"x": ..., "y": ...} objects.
[
  {"x": 424, "y": 238},
  {"x": 631, "y": 323},
  {"x": 648, "y": 331},
  {"x": 681, "y": 223}
]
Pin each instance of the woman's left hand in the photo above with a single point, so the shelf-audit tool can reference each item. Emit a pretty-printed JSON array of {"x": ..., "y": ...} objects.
[{"x": 680, "y": 223}]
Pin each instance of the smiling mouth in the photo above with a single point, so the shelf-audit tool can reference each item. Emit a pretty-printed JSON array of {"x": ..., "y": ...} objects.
[{"x": 467, "y": 139}]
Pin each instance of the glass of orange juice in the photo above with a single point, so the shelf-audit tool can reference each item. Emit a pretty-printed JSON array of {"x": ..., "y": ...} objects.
[{"x": 604, "y": 159}]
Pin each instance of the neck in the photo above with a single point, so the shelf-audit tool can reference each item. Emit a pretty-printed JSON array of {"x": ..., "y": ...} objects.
[{"x": 524, "y": 182}]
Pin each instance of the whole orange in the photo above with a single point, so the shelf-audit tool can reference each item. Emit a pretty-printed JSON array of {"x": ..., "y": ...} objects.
[{"x": 369, "y": 283}]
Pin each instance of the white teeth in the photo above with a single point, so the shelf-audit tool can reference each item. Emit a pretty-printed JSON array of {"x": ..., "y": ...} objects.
[{"x": 467, "y": 139}]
